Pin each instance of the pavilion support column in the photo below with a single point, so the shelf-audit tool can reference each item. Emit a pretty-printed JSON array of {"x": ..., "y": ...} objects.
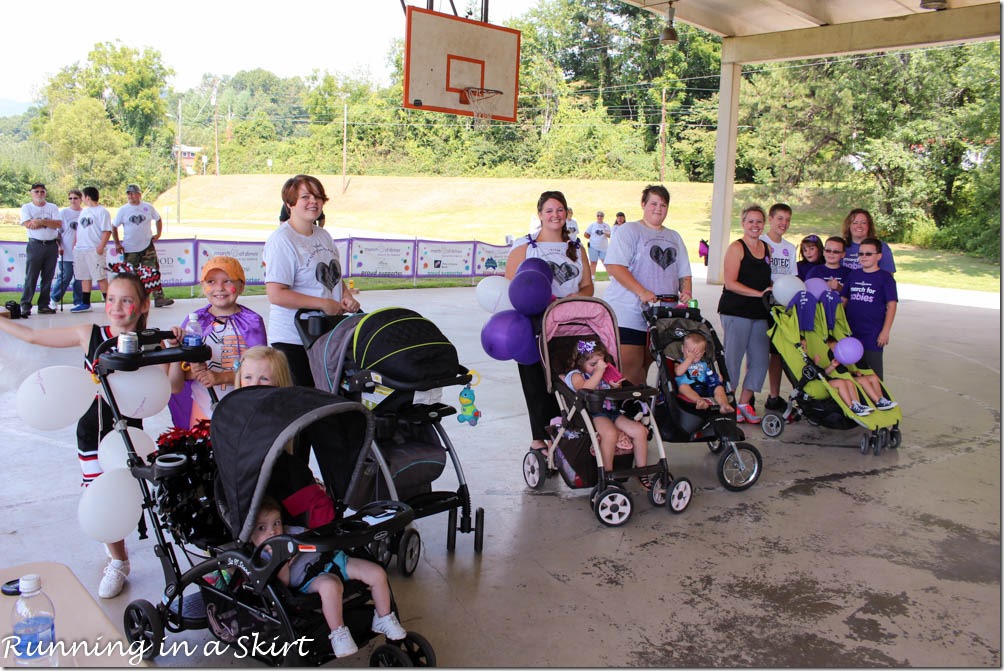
[{"x": 725, "y": 168}]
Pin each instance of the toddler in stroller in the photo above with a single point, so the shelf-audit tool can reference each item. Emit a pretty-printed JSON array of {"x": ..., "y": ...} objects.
[
  {"x": 682, "y": 341},
  {"x": 804, "y": 332},
  {"x": 571, "y": 325},
  {"x": 396, "y": 362},
  {"x": 233, "y": 587}
]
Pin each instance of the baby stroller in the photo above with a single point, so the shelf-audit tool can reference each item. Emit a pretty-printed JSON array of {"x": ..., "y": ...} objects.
[
  {"x": 799, "y": 333},
  {"x": 396, "y": 362},
  {"x": 207, "y": 500},
  {"x": 679, "y": 420},
  {"x": 575, "y": 451}
]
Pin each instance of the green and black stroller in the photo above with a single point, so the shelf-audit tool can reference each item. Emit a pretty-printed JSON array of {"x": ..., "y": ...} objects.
[{"x": 799, "y": 333}]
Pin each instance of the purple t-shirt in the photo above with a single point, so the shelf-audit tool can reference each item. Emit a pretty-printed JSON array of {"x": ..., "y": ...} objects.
[
  {"x": 821, "y": 271},
  {"x": 867, "y": 295}
]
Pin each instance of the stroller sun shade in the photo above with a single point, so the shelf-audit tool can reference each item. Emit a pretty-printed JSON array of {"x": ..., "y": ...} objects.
[
  {"x": 579, "y": 316},
  {"x": 251, "y": 427},
  {"x": 404, "y": 346}
]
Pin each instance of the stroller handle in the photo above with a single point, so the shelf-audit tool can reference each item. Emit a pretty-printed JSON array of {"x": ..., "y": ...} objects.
[{"x": 368, "y": 379}]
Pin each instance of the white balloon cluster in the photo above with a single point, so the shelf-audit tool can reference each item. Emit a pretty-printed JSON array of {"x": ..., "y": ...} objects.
[{"x": 55, "y": 397}]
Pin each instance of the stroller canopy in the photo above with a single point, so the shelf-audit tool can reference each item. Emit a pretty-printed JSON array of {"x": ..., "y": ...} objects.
[
  {"x": 577, "y": 316},
  {"x": 251, "y": 427}
]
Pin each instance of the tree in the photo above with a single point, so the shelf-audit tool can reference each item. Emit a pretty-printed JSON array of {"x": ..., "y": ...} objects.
[{"x": 86, "y": 147}]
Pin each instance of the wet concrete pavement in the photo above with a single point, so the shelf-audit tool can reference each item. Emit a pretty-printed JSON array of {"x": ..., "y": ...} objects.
[{"x": 832, "y": 559}]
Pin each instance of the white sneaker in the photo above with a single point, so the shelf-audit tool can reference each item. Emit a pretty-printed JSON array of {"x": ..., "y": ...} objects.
[
  {"x": 342, "y": 643},
  {"x": 114, "y": 578},
  {"x": 53, "y": 305},
  {"x": 389, "y": 626}
]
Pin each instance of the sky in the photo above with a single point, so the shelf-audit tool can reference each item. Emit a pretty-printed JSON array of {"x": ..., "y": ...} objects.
[{"x": 218, "y": 36}]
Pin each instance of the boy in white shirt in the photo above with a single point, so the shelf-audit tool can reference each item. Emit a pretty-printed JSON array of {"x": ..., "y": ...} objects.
[
  {"x": 783, "y": 261},
  {"x": 94, "y": 228}
]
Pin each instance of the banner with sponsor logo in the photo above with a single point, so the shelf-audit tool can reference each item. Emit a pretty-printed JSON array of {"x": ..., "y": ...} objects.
[
  {"x": 489, "y": 259},
  {"x": 437, "y": 258},
  {"x": 369, "y": 257},
  {"x": 248, "y": 254},
  {"x": 177, "y": 263}
]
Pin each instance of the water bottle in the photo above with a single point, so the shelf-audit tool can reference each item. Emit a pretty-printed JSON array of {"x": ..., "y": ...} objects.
[
  {"x": 193, "y": 332},
  {"x": 34, "y": 620}
]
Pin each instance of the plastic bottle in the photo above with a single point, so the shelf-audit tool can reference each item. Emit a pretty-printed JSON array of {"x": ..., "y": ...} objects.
[
  {"x": 34, "y": 620},
  {"x": 193, "y": 332}
]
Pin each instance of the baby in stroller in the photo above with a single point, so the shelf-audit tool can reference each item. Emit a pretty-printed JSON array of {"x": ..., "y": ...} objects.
[
  {"x": 695, "y": 379},
  {"x": 591, "y": 371},
  {"x": 325, "y": 578}
]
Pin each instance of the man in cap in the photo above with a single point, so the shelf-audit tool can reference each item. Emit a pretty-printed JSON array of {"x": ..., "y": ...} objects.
[
  {"x": 42, "y": 220},
  {"x": 138, "y": 237}
]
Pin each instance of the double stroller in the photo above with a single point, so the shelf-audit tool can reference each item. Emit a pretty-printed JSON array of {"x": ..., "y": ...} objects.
[
  {"x": 396, "y": 363},
  {"x": 205, "y": 495},
  {"x": 800, "y": 332},
  {"x": 679, "y": 420},
  {"x": 574, "y": 451}
]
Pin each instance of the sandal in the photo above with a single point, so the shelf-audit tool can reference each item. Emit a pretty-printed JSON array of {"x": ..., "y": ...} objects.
[{"x": 645, "y": 482}]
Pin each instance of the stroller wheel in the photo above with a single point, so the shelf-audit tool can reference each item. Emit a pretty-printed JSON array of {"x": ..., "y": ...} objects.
[
  {"x": 613, "y": 507},
  {"x": 740, "y": 467},
  {"x": 877, "y": 443},
  {"x": 409, "y": 549},
  {"x": 143, "y": 624},
  {"x": 772, "y": 424},
  {"x": 451, "y": 530},
  {"x": 390, "y": 655},
  {"x": 865, "y": 443},
  {"x": 657, "y": 493},
  {"x": 418, "y": 649},
  {"x": 715, "y": 446},
  {"x": 680, "y": 493},
  {"x": 895, "y": 437},
  {"x": 381, "y": 551},
  {"x": 534, "y": 469},
  {"x": 479, "y": 533}
]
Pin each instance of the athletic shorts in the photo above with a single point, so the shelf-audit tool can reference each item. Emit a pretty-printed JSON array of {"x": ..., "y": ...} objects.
[
  {"x": 88, "y": 265},
  {"x": 632, "y": 336},
  {"x": 597, "y": 254}
]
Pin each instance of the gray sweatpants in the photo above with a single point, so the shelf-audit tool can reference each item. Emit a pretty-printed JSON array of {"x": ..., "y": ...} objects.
[{"x": 746, "y": 337}]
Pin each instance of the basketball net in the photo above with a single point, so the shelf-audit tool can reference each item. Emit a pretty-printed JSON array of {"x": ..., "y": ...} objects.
[{"x": 478, "y": 99}]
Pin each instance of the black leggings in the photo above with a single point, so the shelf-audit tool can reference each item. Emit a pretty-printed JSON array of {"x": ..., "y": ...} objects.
[{"x": 540, "y": 406}]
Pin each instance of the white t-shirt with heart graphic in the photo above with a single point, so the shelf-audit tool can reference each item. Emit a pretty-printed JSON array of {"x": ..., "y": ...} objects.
[
  {"x": 657, "y": 258},
  {"x": 567, "y": 273},
  {"x": 307, "y": 264}
]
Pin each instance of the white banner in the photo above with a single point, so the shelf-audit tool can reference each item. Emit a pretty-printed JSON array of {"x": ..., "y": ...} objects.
[
  {"x": 381, "y": 258},
  {"x": 490, "y": 259},
  {"x": 248, "y": 254},
  {"x": 15, "y": 260},
  {"x": 436, "y": 258},
  {"x": 177, "y": 262}
]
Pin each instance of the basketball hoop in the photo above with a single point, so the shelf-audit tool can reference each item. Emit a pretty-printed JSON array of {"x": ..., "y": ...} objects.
[{"x": 478, "y": 99}]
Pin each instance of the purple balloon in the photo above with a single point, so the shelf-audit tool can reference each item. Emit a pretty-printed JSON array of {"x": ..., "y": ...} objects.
[
  {"x": 527, "y": 353},
  {"x": 506, "y": 333},
  {"x": 538, "y": 264},
  {"x": 848, "y": 351},
  {"x": 816, "y": 286},
  {"x": 530, "y": 292}
]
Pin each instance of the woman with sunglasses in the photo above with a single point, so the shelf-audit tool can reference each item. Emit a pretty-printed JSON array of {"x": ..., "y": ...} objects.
[
  {"x": 859, "y": 225},
  {"x": 810, "y": 252}
]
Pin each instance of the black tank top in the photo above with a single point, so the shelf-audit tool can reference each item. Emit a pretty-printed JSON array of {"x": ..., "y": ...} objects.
[
  {"x": 99, "y": 334},
  {"x": 754, "y": 273}
]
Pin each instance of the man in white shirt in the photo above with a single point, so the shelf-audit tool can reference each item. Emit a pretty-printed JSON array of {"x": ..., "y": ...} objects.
[
  {"x": 783, "y": 261},
  {"x": 42, "y": 220},
  {"x": 67, "y": 241},
  {"x": 94, "y": 227},
  {"x": 138, "y": 237}
]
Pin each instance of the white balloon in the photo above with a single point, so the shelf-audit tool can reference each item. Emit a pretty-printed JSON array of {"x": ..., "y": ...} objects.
[
  {"x": 54, "y": 397},
  {"x": 785, "y": 288},
  {"x": 111, "y": 506},
  {"x": 493, "y": 294},
  {"x": 112, "y": 451},
  {"x": 140, "y": 393}
]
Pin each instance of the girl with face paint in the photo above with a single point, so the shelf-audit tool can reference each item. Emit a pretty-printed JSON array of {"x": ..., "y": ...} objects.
[
  {"x": 229, "y": 329},
  {"x": 126, "y": 307}
]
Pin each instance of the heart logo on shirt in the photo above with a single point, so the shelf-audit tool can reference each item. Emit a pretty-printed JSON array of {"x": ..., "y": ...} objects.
[
  {"x": 328, "y": 273},
  {"x": 664, "y": 258},
  {"x": 563, "y": 271},
  {"x": 137, "y": 219}
]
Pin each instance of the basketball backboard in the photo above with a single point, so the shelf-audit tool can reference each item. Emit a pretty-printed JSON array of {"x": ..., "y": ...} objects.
[{"x": 446, "y": 56}]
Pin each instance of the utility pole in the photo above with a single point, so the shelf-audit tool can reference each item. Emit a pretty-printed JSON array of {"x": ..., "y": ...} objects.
[
  {"x": 178, "y": 157},
  {"x": 662, "y": 140},
  {"x": 216, "y": 129},
  {"x": 345, "y": 143}
]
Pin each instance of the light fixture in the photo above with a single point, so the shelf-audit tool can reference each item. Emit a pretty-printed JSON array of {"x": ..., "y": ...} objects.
[
  {"x": 934, "y": 4},
  {"x": 669, "y": 35}
]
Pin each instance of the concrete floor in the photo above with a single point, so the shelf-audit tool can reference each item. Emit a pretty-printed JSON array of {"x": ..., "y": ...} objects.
[{"x": 834, "y": 559}]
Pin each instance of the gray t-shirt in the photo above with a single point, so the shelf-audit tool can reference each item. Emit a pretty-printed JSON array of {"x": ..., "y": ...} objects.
[{"x": 657, "y": 258}]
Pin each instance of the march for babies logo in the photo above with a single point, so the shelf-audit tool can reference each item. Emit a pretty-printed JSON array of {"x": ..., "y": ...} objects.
[{"x": 862, "y": 293}]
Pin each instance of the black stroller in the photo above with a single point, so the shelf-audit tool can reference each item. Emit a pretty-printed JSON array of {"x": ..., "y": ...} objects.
[
  {"x": 396, "y": 362},
  {"x": 679, "y": 420},
  {"x": 206, "y": 495}
]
